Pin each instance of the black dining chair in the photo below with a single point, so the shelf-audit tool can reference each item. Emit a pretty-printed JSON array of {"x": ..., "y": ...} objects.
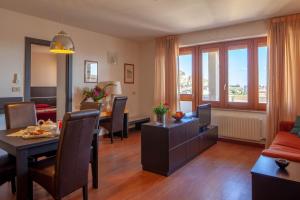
[
  {"x": 70, "y": 171},
  {"x": 94, "y": 148},
  {"x": 21, "y": 115},
  {"x": 17, "y": 115},
  {"x": 115, "y": 124}
]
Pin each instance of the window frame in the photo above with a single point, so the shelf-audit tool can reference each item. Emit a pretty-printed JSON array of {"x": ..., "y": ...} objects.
[
  {"x": 189, "y": 97},
  {"x": 252, "y": 45}
]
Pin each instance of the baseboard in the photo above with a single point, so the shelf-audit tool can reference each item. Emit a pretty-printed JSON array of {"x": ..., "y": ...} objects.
[{"x": 243, "y": 142}]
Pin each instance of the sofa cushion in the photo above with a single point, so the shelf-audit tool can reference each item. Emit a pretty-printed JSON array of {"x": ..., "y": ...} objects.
[
  {"x": 287, "y": 139},
  {"x": 286, "y": 126},
  {"x": 282, "y": 153}
]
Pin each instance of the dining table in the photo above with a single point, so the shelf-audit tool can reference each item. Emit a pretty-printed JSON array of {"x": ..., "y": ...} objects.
[{"x": 23, "y": 149}]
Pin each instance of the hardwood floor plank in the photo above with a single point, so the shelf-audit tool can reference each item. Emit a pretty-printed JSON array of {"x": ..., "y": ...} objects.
[{"x": 221, "y": 172}]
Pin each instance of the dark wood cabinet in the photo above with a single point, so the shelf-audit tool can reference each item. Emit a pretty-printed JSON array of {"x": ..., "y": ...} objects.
[
  {"x": 271, "y": 182},
  {"x": 165, "y": 148}
]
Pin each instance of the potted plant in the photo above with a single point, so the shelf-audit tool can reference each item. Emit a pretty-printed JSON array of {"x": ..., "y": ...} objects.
[
  {"x": 94, "y": 95},
  {"x": 161, "y": 111}
]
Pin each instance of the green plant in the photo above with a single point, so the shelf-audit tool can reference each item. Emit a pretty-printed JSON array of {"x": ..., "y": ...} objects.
[
  {"x": 97, "y": 93},
  {"x": 161, "y": 109}
]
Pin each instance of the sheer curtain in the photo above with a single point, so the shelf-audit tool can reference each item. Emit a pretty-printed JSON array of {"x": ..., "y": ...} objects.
[
  {"x": 166, "y": 72},
  {"x": 284, "y": 72}
]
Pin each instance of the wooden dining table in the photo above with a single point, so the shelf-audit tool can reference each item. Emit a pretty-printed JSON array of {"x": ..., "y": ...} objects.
[{"x": 22, "y": 149}]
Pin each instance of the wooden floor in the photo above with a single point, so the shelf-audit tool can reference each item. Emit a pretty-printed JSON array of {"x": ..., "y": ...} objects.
[{"x": 221, "y": 172}]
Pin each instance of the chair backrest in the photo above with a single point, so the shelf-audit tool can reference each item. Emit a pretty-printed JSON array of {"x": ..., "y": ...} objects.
[
  {"x": 20, "y": 115},
  {"x": 118, "y": 109},
  {"x": 73, "y": 154},
  {"x": 92, "y": 105}
]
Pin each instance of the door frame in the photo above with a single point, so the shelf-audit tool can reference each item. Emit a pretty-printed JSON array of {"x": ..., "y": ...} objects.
[{"x": 27, "y": 76}]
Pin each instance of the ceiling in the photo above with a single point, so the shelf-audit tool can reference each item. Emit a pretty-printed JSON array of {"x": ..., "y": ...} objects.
[{"x": 142, "y": 19}]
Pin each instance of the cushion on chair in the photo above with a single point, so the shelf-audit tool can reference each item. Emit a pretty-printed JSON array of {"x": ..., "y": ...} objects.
[
  {"x": 287, "y": 139},
  {"x": 286, "y": 126},
  {"x": 282, "y": 153}
]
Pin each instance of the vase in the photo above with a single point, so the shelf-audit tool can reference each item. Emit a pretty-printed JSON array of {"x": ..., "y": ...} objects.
[{"x": 161, "y": 118}]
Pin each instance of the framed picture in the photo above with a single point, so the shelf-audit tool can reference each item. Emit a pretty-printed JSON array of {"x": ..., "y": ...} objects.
[
  {"x": 90, "y": 71},
  {"x": 129, "y": 73}
]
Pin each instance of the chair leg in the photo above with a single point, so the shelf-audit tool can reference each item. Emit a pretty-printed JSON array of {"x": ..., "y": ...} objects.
[
  {"x": 111, "y": 137},
  {"x": 122, "y": 135},
  {"x": 30, "y": 189},
  {"x": 13, "y": 185},
  {"x": 94, "y": 163},
  {"x": 85, "y": 192}
]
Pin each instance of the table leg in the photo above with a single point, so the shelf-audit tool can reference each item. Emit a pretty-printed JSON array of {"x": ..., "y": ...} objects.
[
  {"x": 22, "y": 175},
  {"x": 125, "y": 125},
  {"x": 95, "y": 161}
]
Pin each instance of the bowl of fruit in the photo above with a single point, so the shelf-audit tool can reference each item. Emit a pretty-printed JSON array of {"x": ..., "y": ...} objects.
[{"x": 178, "y": 116}]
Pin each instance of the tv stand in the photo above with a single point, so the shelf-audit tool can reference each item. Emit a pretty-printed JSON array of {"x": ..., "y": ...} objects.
[{"x": 165, "y": 148}]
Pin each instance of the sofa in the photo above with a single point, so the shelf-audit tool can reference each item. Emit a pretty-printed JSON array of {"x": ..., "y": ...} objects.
[{"x": 285, "y": 145}]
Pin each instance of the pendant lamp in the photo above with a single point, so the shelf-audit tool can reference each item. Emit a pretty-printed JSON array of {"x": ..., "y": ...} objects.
[{"x": 62, "y": 44}]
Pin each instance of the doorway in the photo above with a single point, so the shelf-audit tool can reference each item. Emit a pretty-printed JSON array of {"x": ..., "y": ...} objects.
[{"x": 43, "y": 81}]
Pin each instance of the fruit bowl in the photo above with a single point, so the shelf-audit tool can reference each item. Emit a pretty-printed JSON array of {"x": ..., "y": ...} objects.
[
  {"x": 282, "y": 163},
  {"x": 178, "y": 116}
]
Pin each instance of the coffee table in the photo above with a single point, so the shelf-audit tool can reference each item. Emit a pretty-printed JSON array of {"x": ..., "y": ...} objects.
[{"x": 270, "y": 182}]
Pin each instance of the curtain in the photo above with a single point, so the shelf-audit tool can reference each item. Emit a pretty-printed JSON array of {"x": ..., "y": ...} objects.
[
  {"x": 166, "y": 72},
  {"x": 284, "y": 72}
]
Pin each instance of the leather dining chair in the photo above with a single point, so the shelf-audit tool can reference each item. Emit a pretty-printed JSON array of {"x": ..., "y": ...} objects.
[
  {"x": 7, "y": 170},
  {"x": 95, "y": 143},
  {"x": 115, "y": 124},
  {"x": 17, "y": 115},
  {"x": 20, "y": 115},
  {"x": 70, "y": 171}
]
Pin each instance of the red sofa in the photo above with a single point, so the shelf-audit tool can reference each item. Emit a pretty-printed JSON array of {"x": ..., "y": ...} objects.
[{"x": 285, "y": 145}]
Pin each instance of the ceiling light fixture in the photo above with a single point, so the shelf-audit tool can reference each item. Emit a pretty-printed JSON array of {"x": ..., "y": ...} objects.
[{"x": 62, "y": 43}]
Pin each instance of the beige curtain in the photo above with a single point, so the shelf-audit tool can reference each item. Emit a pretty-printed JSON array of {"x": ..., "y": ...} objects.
[
  {"x": 284, "y": 72},
  {"x": 166, "y": 72}
]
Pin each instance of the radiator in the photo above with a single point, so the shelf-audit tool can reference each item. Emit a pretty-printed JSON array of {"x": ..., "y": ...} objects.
[{"x": 244, "y": 128}]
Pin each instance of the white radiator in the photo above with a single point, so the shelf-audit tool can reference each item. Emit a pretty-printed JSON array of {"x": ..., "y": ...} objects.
[{"x": 244, "y": 128}]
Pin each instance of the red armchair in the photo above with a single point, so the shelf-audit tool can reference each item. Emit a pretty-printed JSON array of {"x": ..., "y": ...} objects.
[{"x": 285, "y": 145}]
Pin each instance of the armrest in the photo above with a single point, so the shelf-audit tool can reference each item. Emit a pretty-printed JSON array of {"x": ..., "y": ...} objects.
[{"x": 286, "y": 126}]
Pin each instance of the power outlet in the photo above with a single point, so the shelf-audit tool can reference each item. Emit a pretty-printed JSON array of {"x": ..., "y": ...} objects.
[{"x": 15, "y": 89}]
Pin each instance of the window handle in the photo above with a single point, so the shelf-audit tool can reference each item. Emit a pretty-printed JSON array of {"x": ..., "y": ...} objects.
[{"x": 225, "y": 86}]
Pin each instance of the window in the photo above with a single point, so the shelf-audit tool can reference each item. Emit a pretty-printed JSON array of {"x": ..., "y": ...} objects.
[
  {"x": 238, "y": 74},
  {"x": 262, "y": 73},
  {"x": 185, "y": 74},
  {"x": 227, "y": 74},
  {"x": 210, "y": 76},
  {"x": 185, "y": 80}
]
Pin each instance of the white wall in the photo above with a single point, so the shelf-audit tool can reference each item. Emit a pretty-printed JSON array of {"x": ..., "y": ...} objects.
[
  {"x": 43, "y": 69},
  {"x": 240, "y": 31},
  {"x": 89, "y": 46}
]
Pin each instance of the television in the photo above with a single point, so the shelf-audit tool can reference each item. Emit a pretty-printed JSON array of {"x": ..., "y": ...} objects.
[{"x": 204, "y": 114}]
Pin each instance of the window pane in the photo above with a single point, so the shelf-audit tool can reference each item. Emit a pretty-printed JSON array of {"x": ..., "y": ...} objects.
[
  {"x": 210, "y": 76},
  {"x": 185, "y": 74},
  {"x": 262, "y": 74},
  {"x": 238, "y": 75},
  {"x": 186, "y": 106}
]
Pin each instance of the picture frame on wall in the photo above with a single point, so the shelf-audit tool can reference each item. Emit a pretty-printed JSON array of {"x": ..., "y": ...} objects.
[
  {"x": 129, "y": 73},
  {"x": 90, "y": 71}
]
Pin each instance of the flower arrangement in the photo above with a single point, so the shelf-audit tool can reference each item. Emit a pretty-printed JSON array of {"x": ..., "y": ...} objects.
[
  {"x": 97, "y": 93},
  {"x": 161, "y": 109}
]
